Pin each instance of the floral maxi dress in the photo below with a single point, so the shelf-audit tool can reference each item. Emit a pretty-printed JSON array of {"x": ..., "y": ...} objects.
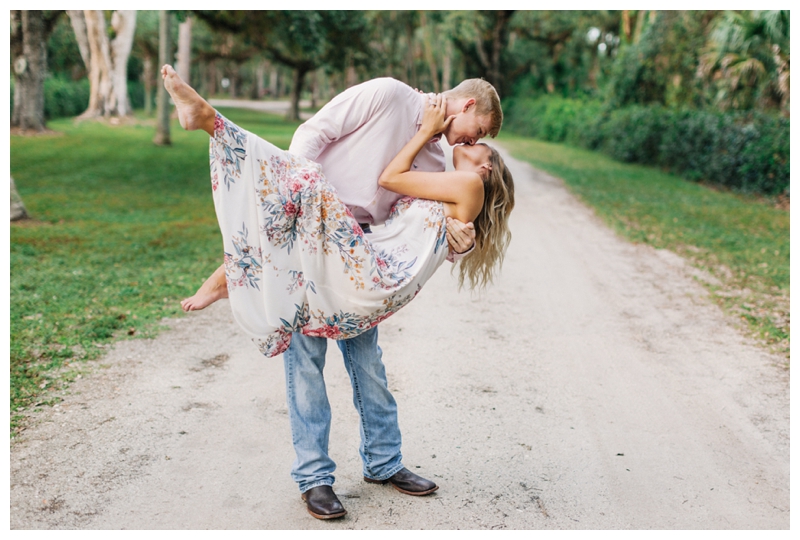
[{"x": 295, "y": 258}]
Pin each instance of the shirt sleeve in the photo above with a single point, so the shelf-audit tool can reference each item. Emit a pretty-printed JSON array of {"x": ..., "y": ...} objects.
[
  {"x": 343, "y": 115},
  {"x": 454, "y": 257}
]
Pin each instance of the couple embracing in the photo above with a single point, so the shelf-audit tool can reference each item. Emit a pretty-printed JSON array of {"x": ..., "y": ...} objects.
[{"x": 302, "y": 263}]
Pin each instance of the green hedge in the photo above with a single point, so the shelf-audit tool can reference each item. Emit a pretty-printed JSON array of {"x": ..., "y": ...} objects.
[
  {"x": 64, "y": 98},
  {"x": 747, "y": 152}
]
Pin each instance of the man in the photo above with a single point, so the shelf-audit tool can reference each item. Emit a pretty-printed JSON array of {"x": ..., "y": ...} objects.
[{"x": 354, "y": 137}]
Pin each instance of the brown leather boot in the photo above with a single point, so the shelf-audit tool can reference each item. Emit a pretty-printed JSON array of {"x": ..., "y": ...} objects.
[
  {"x": 407, "y": 482},
  {"x": 322, "y": 503}
]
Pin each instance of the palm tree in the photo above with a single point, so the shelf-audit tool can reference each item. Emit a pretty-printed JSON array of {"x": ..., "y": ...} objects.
[{"x": 748, "y": 56}]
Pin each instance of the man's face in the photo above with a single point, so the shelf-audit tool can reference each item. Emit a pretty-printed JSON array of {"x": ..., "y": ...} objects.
[{"x": 467, "y": 127}]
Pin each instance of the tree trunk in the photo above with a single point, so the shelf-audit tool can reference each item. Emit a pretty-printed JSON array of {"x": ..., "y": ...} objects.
[
  {"x": 30, "y": 66},
  {"x": 147, "y": 79},
  {"x": 315, "y": 88},
  {"x": 99, "y": 63},
  {"x": 108, "y": 61},
  {"x": 78, "y": 22},
  {"x": 351, "y": 77},
  {"x": 273, "y": 82},
  {"x": 298, "y": 77},
  {"x": 233, "y": 81},
  {"x": 211, "y": 77},
  {"x": 164, "y": 54},
  {"x": 261, "y": 69},
  {"x": 447, "y": 66},
  {"x": 124, "y": 24},
  {"x": 185, "y": 50},
  {"x": 626, "y": 26},
  {"x": 17, "y": 208},
  {"x": 637, "y": 31}
]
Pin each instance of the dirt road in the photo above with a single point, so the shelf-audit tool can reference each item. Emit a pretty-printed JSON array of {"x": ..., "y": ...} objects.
[{"x": 593, "y": 386}]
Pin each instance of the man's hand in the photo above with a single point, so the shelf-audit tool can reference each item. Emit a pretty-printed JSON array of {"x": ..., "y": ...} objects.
[{"x": 460, "y": 236}]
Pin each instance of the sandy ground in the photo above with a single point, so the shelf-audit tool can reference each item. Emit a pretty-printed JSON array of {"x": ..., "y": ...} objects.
[{"x": 594, "y": 386}]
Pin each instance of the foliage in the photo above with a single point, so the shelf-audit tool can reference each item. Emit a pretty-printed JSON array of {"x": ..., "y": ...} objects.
[
  {"x": 121, "y": 231},
  {"x": 567, "y": 53},
  {"x": 741, "y": 242},
  {"x": 661, "y": 67},
  {"x": 747, "y": 58},
  {"x": 748, "y": 152},
  {"x": 63, "y": 55},
  {"x": 65, "y": 98}
]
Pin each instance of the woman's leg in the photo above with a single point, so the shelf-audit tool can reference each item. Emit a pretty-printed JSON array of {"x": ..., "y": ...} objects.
[
  {"x": 214, "y": 288},
  {"x": 193, "y": 111}
]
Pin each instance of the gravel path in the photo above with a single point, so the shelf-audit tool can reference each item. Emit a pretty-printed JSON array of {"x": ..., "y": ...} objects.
[{"x": 594, "y": 386}]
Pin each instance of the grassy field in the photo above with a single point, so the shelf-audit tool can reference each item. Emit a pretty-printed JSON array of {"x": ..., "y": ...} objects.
[
  {"x": 121, "y": 231},
  {"x": 742, "y": 241}
]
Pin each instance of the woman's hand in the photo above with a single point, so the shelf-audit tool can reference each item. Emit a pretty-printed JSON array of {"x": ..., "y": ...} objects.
[{"x": 433, "y": 119}]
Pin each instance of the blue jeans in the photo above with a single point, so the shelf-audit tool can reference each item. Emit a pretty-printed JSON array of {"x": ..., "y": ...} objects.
[{"x": 310, "y": 411}]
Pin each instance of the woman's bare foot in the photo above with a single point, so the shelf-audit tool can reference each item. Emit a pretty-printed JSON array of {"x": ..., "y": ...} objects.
[
  {"x": 215, "y": 288},
  {"x": 193, "y": 111}
]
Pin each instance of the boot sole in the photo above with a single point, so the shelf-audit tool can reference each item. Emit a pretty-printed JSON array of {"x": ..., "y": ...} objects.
[
  {"x": 328, "y": 516},
  {"x": 414, "y": 493}
]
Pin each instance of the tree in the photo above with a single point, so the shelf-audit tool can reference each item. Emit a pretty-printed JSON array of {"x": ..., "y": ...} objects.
[
  {"x": 560, "y": 52},
  {"x": 300, "y": 40},
  {"x": 106, "y": 59},
  {"x": 29, "y": 33},
  {"x": 748, "y": 57},
  {"x": 482, "y": 36},
  {"x": 661, "y": 68}
]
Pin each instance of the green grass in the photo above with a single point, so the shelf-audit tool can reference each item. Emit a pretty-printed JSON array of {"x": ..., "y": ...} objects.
[
  {"x": 121, "y": 231},
  {"x": 741, "y": 241}
]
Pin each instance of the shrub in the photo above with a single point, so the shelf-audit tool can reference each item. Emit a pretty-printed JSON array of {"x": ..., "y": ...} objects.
[
  {"x": 65, "y": 98},
  {"x": 748, "y": 152},
  {"x": 633, "y": 134}
]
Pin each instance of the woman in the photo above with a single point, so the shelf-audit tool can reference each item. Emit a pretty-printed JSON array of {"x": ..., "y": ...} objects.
[{"x": 295, "y": 258}]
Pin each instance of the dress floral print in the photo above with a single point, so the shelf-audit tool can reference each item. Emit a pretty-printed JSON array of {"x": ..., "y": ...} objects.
[{"x": 295, "y": 258}]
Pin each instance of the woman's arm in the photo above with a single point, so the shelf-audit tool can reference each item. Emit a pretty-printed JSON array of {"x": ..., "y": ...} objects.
[{"x": 464, "y": 189}]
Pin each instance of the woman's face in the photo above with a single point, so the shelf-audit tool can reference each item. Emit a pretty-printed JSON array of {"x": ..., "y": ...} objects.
[{"x": 475, "y": 158}]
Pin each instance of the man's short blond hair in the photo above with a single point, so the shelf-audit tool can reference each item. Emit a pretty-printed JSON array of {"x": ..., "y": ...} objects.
[{"x": 487, "y": 102}]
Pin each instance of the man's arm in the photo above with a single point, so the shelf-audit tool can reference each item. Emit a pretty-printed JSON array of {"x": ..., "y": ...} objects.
[{"x": 344, "y": 114}]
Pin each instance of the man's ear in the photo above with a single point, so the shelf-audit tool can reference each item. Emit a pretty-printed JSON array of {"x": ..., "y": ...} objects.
[{"x": 467, "y": 104}]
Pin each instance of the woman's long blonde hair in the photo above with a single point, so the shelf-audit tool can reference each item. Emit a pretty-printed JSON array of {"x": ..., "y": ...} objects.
[{"x": 491, "y": 226}]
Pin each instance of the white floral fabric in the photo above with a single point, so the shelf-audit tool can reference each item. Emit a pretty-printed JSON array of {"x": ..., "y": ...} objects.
[{"x": 295, "y": 258}]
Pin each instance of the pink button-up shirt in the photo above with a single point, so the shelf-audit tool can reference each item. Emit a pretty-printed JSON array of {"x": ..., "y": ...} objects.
[{"x": 357, "y": 134}]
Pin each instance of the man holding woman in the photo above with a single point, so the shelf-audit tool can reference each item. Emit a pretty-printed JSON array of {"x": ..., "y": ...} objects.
[{"x": 354, "y": 138}]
